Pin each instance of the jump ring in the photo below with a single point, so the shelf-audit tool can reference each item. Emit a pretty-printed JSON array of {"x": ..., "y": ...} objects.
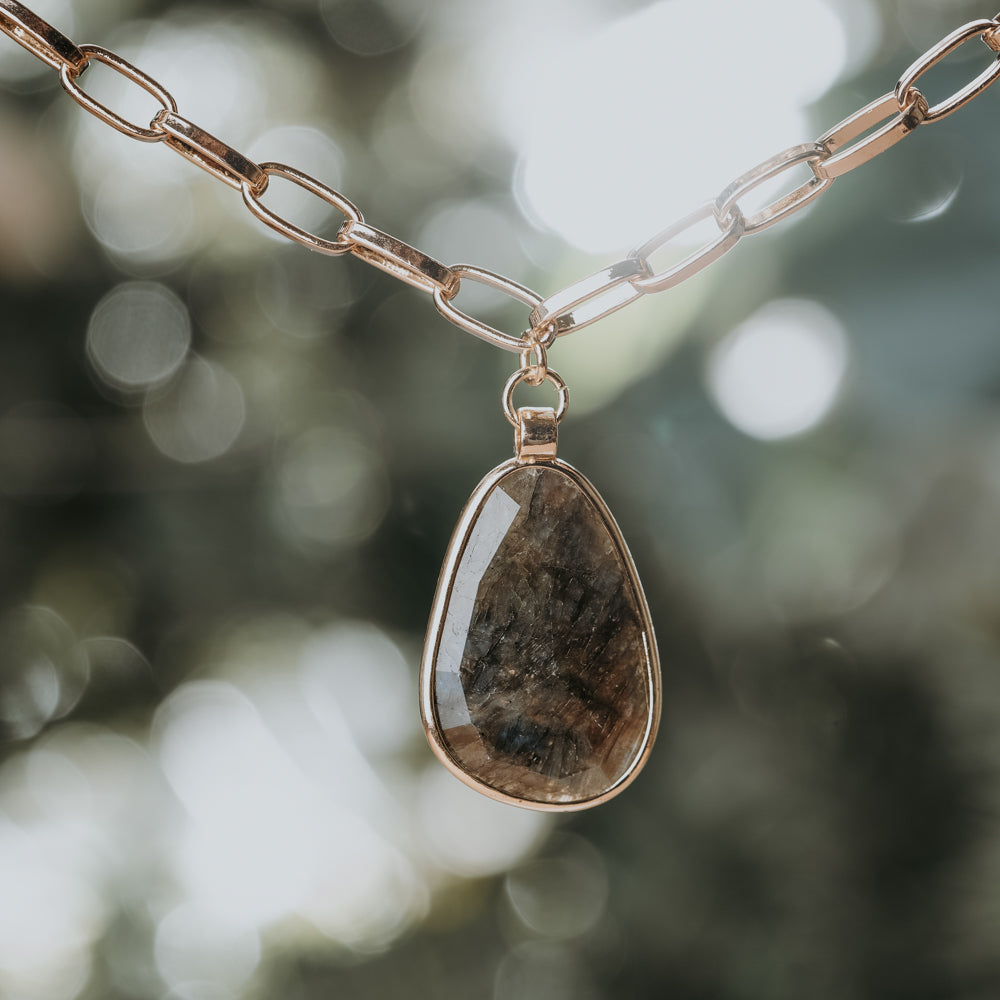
[
  {"x": 538, "y": 369},
  {"x": 522, "y": 375}
]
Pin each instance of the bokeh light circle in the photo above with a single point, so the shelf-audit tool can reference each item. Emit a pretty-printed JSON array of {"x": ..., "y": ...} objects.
[
  {"x": 138, "y": 335},
  {"x": 779, "y": 373},
  {"x": 199, "y": 415}
]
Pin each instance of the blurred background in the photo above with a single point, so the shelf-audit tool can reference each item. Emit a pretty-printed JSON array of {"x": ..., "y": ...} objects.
[{"x": 229, "y": 469}]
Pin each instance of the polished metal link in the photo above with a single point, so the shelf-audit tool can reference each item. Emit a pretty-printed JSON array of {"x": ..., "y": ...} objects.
[
  {"x": 538, "y": 369},
  {"x": 849, "y": 151},
  {"x": 808, "y": 152},
  {"x": 251, "y": 198},
  {"x": 209, "y": 153},
  {"x": 39, "y": 37},
  {"x": 906, "y": 89},
  {"x": 68, "y": 75},
  {"x": 857, "y": 139},
  {"x": 443, "y": 299},
  {"x": 399, "y": 259},
  {"x": 693, "y": 262},
  {"x": 590, "y": 299}
]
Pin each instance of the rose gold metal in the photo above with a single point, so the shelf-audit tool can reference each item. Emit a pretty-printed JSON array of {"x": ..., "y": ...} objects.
[
  {"x": 68, "y": 75},
  {"x": 848, "y": 153},
  {"x": 334, "y": 198},
  {"x": 855, "y": 140},
  {"x": 209, "y": 153},
  {"x": 442, "y": 597},
  {"x": 906, "y": 89},
  {"x": 808, "y": 152},
  {"x": 398, "y": 258},
  {"x": 444, "y": 300},
  {"x": 536, "y": 369},
  {"x": 693, "y": 262},
  {"x": 39, "y": 37},
  {"x": 536, "y": 434},
  {"x": 521, "y": 375},
  {"x": 603, "y": 292}
]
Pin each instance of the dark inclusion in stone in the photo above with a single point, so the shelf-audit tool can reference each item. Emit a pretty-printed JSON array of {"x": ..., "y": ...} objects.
[{"x": 542, "y": 670}]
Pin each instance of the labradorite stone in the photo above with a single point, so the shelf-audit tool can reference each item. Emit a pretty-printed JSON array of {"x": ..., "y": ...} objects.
[{"x": 542, "y": 673}]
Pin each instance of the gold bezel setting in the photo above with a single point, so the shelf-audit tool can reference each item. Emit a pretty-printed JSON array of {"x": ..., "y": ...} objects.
[{"x": 456, "y": 548}]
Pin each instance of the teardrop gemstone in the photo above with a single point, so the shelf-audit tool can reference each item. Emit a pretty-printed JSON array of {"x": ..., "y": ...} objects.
[{"x": 540, "y": 680}]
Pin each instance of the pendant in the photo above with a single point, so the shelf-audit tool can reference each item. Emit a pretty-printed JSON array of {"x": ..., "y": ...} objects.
[{"x": 540, "y": 677}]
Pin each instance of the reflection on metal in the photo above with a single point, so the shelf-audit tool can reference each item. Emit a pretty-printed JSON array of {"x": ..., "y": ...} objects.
[{"x": 830, "y": 601}]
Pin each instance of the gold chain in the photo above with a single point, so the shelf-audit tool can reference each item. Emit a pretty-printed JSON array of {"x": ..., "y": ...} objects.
[{"x": 852, "y": 142}]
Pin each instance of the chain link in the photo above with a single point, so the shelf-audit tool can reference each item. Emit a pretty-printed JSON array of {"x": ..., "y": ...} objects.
[
  {"x": 288, "y": 229},
  {"x": 39, "y": 37},
  {"x": 857, "y": 139},
  {"x": 211, "y": 154},
  {"x": 851, "y": 147},
  {"x": 399, "y": 259},
  {"x": 592, "y": 298},
  {"x": 445, "y": 305},
  {"x": 731, "y": 231},
  {"x": 809, "y": 152},
  {"x": 68, "y": 75},
  {"x": 906, "y": 89}
]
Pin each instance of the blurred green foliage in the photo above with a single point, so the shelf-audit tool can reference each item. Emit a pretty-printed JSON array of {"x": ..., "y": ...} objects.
[{"x": 819, "y": 817}]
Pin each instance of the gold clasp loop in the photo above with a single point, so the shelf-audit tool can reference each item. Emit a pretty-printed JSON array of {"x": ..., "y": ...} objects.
[
  {"x": 536, "y": 370},
  {"x": 522, "y": 375}
]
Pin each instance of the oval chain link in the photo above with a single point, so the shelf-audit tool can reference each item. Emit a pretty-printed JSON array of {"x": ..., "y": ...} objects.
[
  {"x": 590, "y": 299},
  {"x": 694, "y": 262},
  {"x": 906, "y": 89},
  {"x": 69, "y": 74},
  {"x": 850, "y": 150},
  {"x": 289, "y": 230},
  {"x": 809, "y": 152},
  {"x": 443, "y": 299},
  {"x": 857, "y": 139}
]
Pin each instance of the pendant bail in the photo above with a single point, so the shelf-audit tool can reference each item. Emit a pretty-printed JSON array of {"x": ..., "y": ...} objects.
[
  {"x": 536, "y": 428},
  {"x": 536, "y": 434}
]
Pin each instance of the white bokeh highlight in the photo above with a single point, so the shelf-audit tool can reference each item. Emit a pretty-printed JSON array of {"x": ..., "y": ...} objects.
[
  {"x": 779, "y": 373},
  {"x": 622, "y": 127},
  {"x": 138, "y": 335},
  {"x": 199, "y": 415}
]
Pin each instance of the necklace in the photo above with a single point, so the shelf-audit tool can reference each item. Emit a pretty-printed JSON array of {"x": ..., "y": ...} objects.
[{"x": 540, "y": 677}]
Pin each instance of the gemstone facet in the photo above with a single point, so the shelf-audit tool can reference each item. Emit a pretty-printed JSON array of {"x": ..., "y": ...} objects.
[{"x": 540, "y": 681}]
